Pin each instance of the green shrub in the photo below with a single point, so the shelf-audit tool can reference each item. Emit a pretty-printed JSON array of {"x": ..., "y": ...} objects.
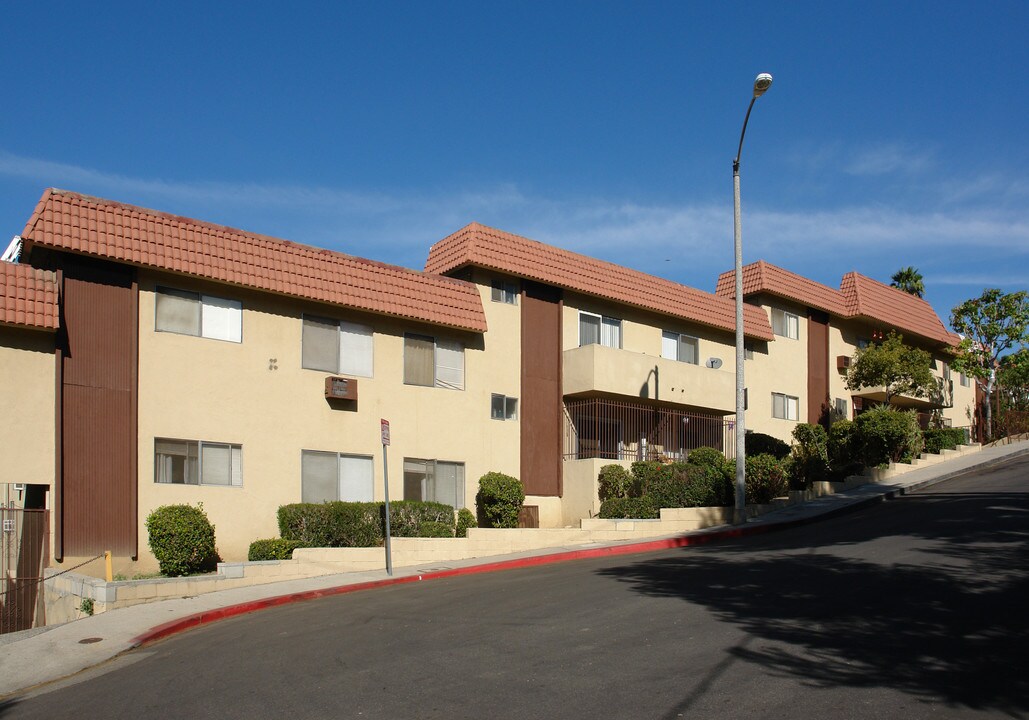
[
  {"x": 615, "y": 481},
  {"x": 840, "y": 444},
  {"x": 937, "y": 439},
  {"x": 756, "y": 443},
  {"x": 767, "y": 478},
  {"x": 685, "y": 485},
  {"x": 810, "y": 455},
  {"x": 643, "y": 471},
  {"x": 272, "y": 549},
  {"x": 465, "y": 520},
  {"x": 886, "y": 435},
  {"x": 406, "y": 517},
  {"x": 306, "y": 524},
  {"x": 434, "y": 529},
  {"x": 500, "y": 499},
  {"x": 181, "y": 538},
  {"x": 640, "y": 508}
]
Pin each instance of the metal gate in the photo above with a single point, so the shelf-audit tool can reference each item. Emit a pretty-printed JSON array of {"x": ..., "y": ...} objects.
[{"x": 23, "y": 547}]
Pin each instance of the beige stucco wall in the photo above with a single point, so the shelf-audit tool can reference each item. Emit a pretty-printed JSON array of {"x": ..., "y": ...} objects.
[
  {"x": 779, "y": 366},
  {"x": 256, "y": 394},
  {"x": 27, "y": 388}
]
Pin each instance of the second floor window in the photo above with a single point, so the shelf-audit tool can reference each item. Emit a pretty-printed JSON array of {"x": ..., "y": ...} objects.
[
  {"x": 684, "y": 348},
  {"x": 785, "y": 407},
  {"x": 505, "y": 292},
  {"x": 599, "y": 330},
  {"x": 337, "y": 347},
  {"x": 433, "y": 362},
  {"x": 785, "y": 324},
  {"x": 503, "y": 407},
  {"x": 191, "y": 313}
]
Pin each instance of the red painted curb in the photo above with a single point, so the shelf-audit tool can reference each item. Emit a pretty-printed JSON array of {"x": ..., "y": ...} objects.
[{"x": 174, "y": 627}]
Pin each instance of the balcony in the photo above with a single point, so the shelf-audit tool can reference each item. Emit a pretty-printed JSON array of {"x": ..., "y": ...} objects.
[
  {"x": 942, "y": 396},
  {"x": 600, "y": 370}
]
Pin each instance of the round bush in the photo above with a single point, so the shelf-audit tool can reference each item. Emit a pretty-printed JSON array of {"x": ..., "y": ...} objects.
[
  {"x": 887, "y": 435},
  {"x": 641, "y": 508},
  {"x": 465, "y": 520},
  {"x": 181, "y": 538},
  {"x": 840, "y": 444},
  {"x": 643, "y": 471},
  {"x": 615, "y": 481},
  {"x": 272, "y": 549},
  {"x": 500, "y": 499},
  {"x": 767, "y": 478}
]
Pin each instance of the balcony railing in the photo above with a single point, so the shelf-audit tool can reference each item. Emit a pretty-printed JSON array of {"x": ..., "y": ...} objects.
[{"x": 616, "y": 430}]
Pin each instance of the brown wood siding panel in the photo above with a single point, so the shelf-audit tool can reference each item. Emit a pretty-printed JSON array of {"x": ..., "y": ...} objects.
[
  {"x": 818, "y": 400},
  {"x": 98, "y": 423},
  {"x": 541, "y": 390}
]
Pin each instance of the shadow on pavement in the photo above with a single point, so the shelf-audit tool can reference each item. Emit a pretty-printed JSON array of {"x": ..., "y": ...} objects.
[{"x": 937, "y": 611}]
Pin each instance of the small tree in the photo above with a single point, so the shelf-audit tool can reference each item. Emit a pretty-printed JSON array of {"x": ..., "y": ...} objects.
[
  {"x": 909, "y": 280},
  {"x": 899, "y": 368},
  {"x": 1013, "y": 379},
  {"x": 990, "y": 325}
]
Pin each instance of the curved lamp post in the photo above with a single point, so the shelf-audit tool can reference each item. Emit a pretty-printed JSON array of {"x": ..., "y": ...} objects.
[{"x": 761, "y": 83}]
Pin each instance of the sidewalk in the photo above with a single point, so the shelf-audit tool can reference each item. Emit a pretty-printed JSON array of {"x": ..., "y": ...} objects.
[{"x": 36, "y": 657}]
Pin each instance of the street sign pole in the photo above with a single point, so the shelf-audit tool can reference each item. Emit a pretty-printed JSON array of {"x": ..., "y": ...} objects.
[{"x": 384, "y": 426}]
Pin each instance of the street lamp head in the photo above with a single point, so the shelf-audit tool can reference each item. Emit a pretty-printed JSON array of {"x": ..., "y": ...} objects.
[{"x": 761, "y": 83}]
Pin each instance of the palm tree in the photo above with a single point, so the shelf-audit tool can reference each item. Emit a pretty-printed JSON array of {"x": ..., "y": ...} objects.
[{"x": 909, "y": 280}]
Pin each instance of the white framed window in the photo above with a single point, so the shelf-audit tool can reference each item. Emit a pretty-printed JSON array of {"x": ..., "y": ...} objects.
[
  {"x": 599, "y": 330},
  {"x": 433, "y": 362},
  {"x": 785, "y": 324},
  {"x": 964, "y": 380},
  {"x": 196, "y": 462},
  {"x": 329, "y": 476},
  {"x": 503, "y": 407},
  {"x": 434, "y": 481},
  {"x": 191, "y": 313},
  {"x": 684, "y": 348},
  {"x": 785, "y": 407},
  {"x": 505, "y": 292},
  {"x": 337, "y": 346}
]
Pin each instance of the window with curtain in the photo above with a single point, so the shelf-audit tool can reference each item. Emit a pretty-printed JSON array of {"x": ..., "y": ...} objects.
[
  {"x": 434, "y": 481},
  {"x": 190, "y": 313},
  {"x": 329, "y": 476},
  {"x": 196, "y": 462},
  {"x": 337, "y": 346},
  {"x": 676, "y": 346},
  {"x": 433, "y": 362},
  {"x": 785, "y": 324},
  {"x": 503, "y": 407},
  {"x": 599, "y": 330}
]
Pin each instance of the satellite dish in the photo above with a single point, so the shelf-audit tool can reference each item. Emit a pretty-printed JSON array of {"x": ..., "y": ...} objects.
[{"x": 714, "y": 363}]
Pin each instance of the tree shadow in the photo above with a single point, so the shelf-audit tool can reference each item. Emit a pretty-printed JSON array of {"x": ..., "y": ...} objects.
[{"x": 941, "y": 615}]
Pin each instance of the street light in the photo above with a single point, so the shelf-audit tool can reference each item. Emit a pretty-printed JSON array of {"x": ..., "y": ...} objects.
[{"x": 761, "y": 83}]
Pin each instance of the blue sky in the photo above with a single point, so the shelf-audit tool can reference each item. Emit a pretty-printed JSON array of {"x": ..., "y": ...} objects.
[{"x": 894, "y": 134}]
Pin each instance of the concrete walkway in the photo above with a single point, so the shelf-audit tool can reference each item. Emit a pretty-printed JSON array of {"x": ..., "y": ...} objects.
[{"x": 37, "y": 657}]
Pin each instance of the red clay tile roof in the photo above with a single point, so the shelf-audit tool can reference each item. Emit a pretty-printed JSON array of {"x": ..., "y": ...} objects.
[
  {"x": 28, "y": 296},
  {"x": 858, "y": 297},
  {"x": 483, "y": 246},
  {"x": 102, "y": 228}
]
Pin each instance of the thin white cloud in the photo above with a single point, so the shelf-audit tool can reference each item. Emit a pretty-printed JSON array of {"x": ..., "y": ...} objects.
[{"x": 888, "y": 159}]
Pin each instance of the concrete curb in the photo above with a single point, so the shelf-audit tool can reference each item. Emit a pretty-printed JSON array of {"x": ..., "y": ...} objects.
[{"x": 698, "y": 538}]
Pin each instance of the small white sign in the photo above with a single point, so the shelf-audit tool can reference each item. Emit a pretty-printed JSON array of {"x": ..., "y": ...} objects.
[{"x": 385, "y": 431}]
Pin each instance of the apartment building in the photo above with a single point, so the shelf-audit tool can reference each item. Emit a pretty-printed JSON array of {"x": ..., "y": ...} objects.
[{"x": 149, "y": 359}]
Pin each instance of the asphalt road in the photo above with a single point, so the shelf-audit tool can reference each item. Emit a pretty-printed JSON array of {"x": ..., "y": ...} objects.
[{"x": 914, "y": 608}]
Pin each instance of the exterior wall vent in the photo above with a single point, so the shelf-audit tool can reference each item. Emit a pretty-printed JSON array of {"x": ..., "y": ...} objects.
[{"x": 338, "y": 388}]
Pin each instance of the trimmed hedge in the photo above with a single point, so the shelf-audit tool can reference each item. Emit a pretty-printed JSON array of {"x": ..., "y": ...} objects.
[
  {"x": 686, "y": 485},
  {"x": 615, "y": 481},
  {"x": 500, "y": 499},
  {"x": 641, "y": 508},
  {"x": 353, "y": 524},
  {"x": 272, "y": 549},
  {"x": 434, "y": 529},
  {"x": 755, "y": 443},
  {"x": 937, "y": 439},
  {"x": 182, "y": 539}
]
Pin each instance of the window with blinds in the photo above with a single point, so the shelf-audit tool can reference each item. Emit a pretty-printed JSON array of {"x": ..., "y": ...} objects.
[
  {"x": 785, "y": 407},
  {"x": 785, "y": 324},
  {"x": 337, "y": 346},
  {"x": 599, "y": 330},
  {"x": 433, "y": 362},
  {"x": 195, "y": 462},
  {"x": 190, "y": 313},
  {"x": 684, "y": 348},
  {"x": 330, "y": 476},
  {"x": 434, "y": 481}
]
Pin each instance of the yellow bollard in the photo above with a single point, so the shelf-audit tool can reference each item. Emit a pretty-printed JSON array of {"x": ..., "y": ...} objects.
[{"x": 108, "y": 566}]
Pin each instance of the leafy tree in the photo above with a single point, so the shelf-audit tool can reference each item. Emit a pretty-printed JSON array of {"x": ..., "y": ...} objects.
[
  {"x": 909, "y": 280},
  {"x": 990, "y": 325},
  {"x": 899, "y": 368},
  {"x": 1013, "y": 379}
]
